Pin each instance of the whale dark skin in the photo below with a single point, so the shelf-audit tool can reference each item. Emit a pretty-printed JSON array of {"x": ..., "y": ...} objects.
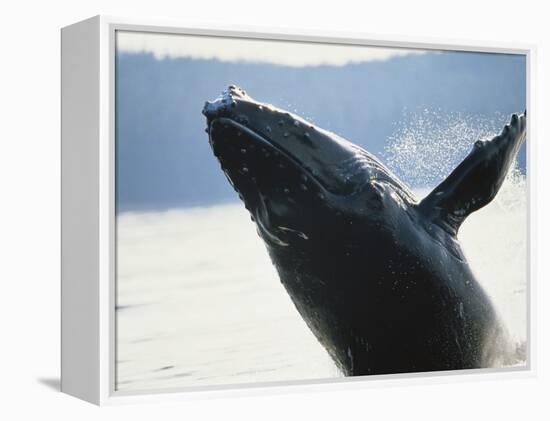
[{"x": 379, "y": 277}]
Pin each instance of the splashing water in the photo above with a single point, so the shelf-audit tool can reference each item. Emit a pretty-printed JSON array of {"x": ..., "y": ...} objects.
[{"x": 428, "y": 145}]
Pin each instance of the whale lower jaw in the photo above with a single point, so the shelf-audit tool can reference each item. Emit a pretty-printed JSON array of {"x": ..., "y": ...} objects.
[{"x": 263, "y": 141}]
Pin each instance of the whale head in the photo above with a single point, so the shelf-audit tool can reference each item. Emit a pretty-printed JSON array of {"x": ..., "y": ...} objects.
[{"x": 292, "y": 175}]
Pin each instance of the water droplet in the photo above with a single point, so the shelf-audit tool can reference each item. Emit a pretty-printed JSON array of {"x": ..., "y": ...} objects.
[
  {"x": 245, "y": 170},
  {"x": 285, "y": 134},
  {"x": 303, "y": 187},
  {"x": 243, "y": 150},
  {"x": 286, "y": 190},
  {"x": 268, "y": 129},
  {"x": 296, "y": 123},
  {"x": 280, "y": 122}
]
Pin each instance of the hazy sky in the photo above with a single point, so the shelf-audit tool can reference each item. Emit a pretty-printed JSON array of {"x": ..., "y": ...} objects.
[{"x": 295, "y": 54}]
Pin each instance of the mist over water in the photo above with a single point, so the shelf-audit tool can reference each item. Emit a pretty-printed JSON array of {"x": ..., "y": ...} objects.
[
  {"x": 494, "y": 240},
  {"x": 199, "y": 302}
]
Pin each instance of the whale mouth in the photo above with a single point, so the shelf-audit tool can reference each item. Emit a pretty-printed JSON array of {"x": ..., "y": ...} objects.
[
  {"x": 272, "y": 183},
  {"x": 253, "y": 146},
  {"x": 261, "y": 132}
]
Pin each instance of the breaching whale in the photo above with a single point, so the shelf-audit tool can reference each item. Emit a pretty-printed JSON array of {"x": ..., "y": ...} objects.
[{"x": 378, "y": 276}]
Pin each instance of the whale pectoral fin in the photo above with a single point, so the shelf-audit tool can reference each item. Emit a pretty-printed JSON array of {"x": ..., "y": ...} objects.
[{"x": 477, "y": 179}]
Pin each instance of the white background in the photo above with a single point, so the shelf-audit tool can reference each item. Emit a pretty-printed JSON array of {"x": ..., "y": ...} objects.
[{"x": 29, "y": 231}]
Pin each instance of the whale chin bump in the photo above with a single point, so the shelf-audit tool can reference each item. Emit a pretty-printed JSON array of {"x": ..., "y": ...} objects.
[{"x": 379, "y": 278}]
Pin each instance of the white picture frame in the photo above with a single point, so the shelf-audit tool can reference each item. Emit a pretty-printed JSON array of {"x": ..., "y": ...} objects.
[{"x": 88, "y": 210}]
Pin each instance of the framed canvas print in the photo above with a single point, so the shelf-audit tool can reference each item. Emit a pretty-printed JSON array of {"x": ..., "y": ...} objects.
[{"x": 247, "y": 210}]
